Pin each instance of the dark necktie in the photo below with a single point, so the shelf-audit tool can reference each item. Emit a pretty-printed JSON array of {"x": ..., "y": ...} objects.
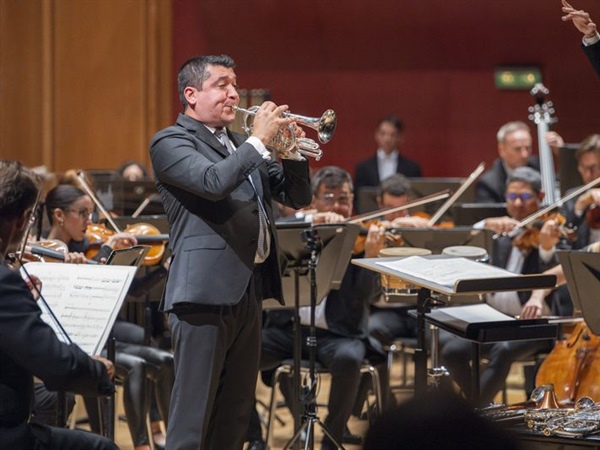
[{"x": 264, "y": 238}]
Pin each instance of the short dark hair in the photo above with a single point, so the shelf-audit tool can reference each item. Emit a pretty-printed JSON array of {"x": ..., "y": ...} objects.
[
  {"x": 589, "y": 144},
  {"x": 526, "y": 175},
  {"x": 396, "y": 185},
  {"x": 61, "y": 197},
  {"x": 19, "y": 189},
  {"x": 394, "y": 121},
  {"x": 195, "y": 71},
  {"x": 129, "y": 163},
  {"x": 331, "y": 177}
]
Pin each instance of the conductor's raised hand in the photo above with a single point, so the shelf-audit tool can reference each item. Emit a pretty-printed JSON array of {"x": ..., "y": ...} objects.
[
  {"x": 268, "y": 120},
  {"x": 581, "y": 19}
]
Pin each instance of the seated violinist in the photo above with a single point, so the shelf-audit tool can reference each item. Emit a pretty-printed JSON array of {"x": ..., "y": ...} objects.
[
  {"x": 387, "y": 324},
  {"x": 140, "y": 367},
  {"x": 583, "y": 212},
  {"x": 341, "y": 317},
  {"x": 534, "y": 254}
]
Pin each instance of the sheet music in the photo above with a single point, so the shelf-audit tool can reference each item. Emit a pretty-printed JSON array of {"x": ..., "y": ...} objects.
[
  {"x": 476, "y": 313},
  {"x": 85, "y": 299},
  {"x": 445, "y": 271}
]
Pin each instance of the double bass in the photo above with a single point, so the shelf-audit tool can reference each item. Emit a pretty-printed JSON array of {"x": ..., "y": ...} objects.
[
  {"x": 573, "y": 366},
  {"x": 541, "y": 115}
]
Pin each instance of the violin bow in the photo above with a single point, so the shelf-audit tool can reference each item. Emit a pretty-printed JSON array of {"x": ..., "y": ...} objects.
[
  {"x": 422, "y": 201},
  {"x": 463, "y": 187},
  {"x": 529, "y": 219},
  {"x": 89, "y": 191}
]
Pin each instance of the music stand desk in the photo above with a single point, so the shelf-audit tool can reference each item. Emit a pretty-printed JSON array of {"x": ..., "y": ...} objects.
[
  {"x": 462, "y": 276},
  {"x": 582, "y": 272}
]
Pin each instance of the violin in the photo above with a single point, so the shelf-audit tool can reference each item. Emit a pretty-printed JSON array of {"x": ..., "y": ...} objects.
[
  {"x": 49, "y": 250},
  {"x": 592, "y": 217},
  {"x": 366, "y": 220},
  {"x": 573, "y": 366},
  {"x": 145, "y": 233},
  {"x": 392, "y": 238},
  {"x": 530, "y": 237}
]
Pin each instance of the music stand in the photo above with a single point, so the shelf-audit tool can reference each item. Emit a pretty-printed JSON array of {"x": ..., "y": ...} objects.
[
  {"x": 468, "y": 214},
  {"x": 450, "y": 276},
  {"x": 437, "y": 239},
  {"x": 582, "y": 272},
  {"x": 317, "y": 255},
  {"x": 132, "y": 256}
]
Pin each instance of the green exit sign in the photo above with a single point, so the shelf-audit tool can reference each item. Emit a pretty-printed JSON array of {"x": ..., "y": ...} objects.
[{"x": 517, "y": 77}]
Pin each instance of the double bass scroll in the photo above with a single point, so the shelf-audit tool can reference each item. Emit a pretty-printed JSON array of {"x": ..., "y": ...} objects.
[{"x": 541, "y": 114}]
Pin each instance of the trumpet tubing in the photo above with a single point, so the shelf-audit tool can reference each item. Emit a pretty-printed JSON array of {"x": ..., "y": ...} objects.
[{"x": 286, "y": 143}]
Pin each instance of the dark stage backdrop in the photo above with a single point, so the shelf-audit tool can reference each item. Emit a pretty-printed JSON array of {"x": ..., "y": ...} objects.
[{"x": 431, "y": 62}]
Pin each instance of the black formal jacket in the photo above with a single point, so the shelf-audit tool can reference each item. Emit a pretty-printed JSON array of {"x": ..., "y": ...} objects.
[
  {"x": 491, "y": 186},
  {"x": 28, "y": 348},
  {"x": 593, "y": 54},
  {"x": 578, "y": 223},
  {"x": 367, "y": 172},
  {"x": 213, "y": 212}
]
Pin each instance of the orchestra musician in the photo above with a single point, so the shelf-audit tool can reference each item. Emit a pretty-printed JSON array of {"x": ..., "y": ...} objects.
[
  {"x": 217, "y": 189},
  {"x": 580, "y": 212},
  {"x": 28, "y": 346},
  {"x": 389, "y": 136},
  {"x": 142, "y": 369},
  {"x": 523, "y": 196},
  {"x": 514, "y": 150},
  {"x": 341, "y": 318},
  {"x": 386, "y": 324}
]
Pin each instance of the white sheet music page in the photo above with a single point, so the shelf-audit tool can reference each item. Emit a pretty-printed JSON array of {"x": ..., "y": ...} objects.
[
  {"x": 476, "y": 313},
  {"x": 445, "y": 271},
  {"x": 85, "y": 299}
]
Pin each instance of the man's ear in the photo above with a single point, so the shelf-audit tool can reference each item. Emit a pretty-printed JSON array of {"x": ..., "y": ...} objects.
[{"x": 190, "y": 93}]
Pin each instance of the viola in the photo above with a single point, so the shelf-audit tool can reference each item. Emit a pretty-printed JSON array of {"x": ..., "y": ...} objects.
[{"x": 573, "y": 366}]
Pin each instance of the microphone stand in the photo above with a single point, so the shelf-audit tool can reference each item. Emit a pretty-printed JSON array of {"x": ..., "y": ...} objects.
[{"x": 310, "y": 418}]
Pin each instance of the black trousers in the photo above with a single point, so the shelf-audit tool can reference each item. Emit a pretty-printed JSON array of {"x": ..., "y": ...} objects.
[{"x": 216, "y": 364}]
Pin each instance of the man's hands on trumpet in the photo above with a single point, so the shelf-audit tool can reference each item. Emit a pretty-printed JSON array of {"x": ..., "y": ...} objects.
[{"x": 268, "y": 120}]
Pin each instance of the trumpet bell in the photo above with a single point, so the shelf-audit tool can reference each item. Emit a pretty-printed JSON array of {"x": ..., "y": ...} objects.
[{"x": 324, "y": 125}]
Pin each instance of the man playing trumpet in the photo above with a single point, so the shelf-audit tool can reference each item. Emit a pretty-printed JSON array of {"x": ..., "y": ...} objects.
[{"x": 216, "y": 187}]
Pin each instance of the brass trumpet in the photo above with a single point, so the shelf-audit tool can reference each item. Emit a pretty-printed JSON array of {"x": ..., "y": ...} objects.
[{"x": 285, "y": 141}]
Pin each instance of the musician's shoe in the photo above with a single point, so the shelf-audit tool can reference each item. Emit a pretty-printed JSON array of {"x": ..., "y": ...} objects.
[{"x": 256, "y": 445}]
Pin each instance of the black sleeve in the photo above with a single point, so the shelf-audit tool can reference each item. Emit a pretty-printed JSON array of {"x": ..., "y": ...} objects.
[{"x": 32, "y": 345}]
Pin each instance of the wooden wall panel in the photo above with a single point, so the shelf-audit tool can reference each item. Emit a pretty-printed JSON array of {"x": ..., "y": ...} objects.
[
  {"x": 21, "y": 81},
  {"x": 106, "y": 81}
]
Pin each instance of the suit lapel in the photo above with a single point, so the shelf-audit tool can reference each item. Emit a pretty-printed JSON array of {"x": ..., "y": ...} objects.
[{"x": 210, "y": 139}]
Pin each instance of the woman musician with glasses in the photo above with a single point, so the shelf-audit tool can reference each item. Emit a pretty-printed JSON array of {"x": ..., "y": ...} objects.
[{"x": 141, "y": 368}]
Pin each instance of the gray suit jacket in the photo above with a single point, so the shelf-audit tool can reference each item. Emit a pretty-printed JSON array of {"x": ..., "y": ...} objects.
[{"x": 213, "y": 212}]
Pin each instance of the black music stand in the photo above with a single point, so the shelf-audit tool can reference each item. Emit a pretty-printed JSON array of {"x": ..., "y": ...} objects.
[
  {"x": 449, "y": 276},
  {"x": 582, "y": 272},
  {"x": 437, "y": 239},
  {"x": 318, "y": 256}
]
